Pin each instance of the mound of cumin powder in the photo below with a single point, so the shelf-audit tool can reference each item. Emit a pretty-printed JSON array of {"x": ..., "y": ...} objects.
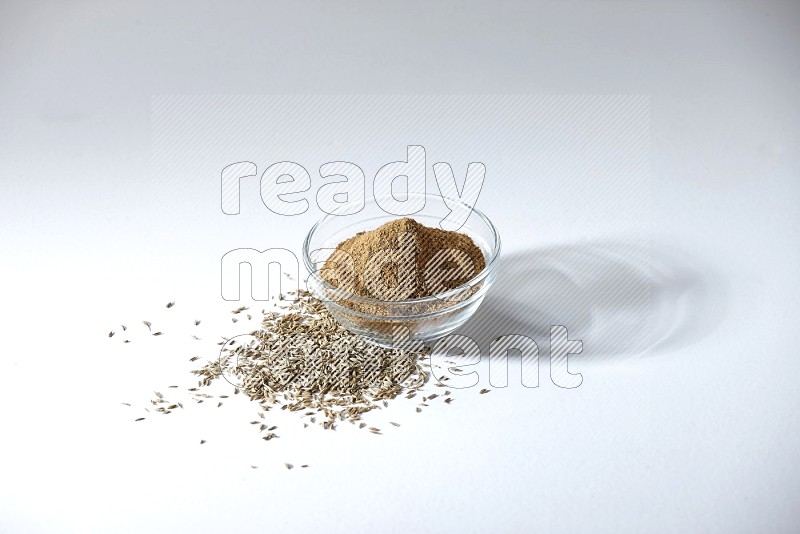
[
  {"x": 377, "y": 273},
  {"x": 403, "y": 260}
]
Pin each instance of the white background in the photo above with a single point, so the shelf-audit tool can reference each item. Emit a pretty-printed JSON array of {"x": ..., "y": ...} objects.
[{"x": 690, "y": 427}]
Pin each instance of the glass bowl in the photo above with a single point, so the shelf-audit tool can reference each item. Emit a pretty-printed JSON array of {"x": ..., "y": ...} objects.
[{"x": 400, "y": 323}]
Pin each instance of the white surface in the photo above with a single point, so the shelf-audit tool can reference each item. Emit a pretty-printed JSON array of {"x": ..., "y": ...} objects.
[{"x": 698, "y": 435}]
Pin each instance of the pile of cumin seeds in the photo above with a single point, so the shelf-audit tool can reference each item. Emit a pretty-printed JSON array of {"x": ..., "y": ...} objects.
[
  {"x": 305, "y": 361},
  {"x": 298, "y": 359}
]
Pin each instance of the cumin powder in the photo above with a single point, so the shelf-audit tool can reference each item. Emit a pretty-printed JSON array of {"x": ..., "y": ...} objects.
[{"x": 403, "y": 260}]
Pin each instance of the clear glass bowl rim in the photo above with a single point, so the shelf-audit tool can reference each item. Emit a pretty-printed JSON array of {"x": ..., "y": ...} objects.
[{"x": 488, "y": 268}]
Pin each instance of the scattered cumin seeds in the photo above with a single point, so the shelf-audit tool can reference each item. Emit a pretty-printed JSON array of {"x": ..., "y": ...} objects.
[
  {"x": 483, "y": 391},
  {"x": 148, "y": 324},
  {"x": 124, "y": 327},
  {"x": 111, "y": 334},
  {"x": 304, "y": 466},
  {"x": 202, "y": 441},
  {"x": 140, "y": 419},
  {"x": 393, "y": 423},
  {"x": 289, "y": 466},
  {"x": 157, "y": 334},
  {"x": 275, "y": 373},
  {"x": 448, "y": 400},
  {"x": 170, "y": 304}
]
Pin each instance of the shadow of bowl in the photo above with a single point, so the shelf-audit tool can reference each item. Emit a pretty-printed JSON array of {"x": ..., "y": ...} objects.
[{"x": 621, "y": 299}]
